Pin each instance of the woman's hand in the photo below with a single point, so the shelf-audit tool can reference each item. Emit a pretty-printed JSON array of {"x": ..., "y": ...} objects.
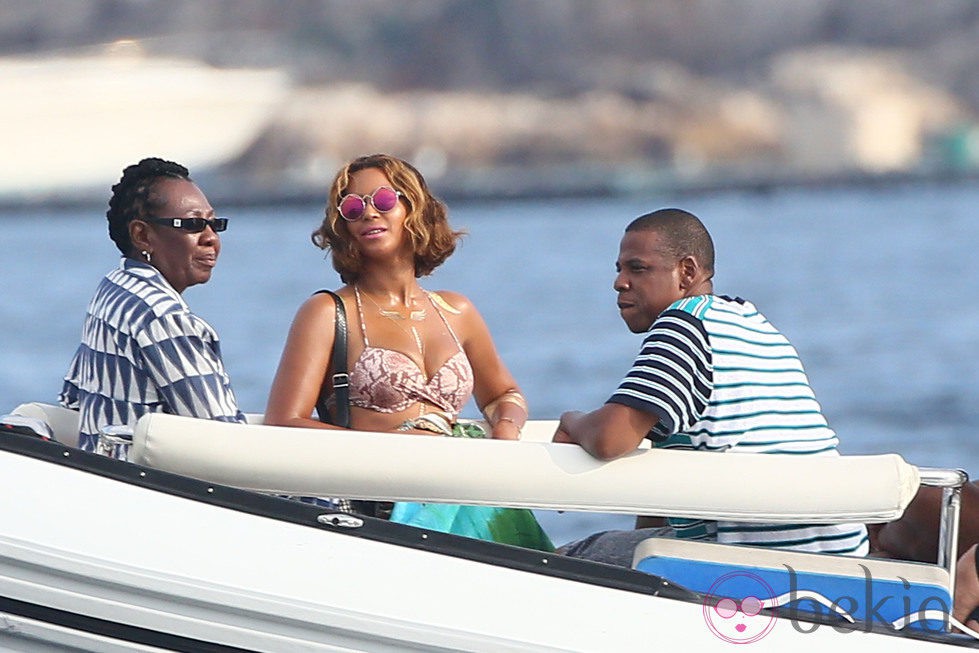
[{"x": 506, "y": 428}]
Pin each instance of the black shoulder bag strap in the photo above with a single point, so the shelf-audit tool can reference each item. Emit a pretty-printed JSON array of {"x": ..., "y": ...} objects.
[{"x": 341, "y": 382}]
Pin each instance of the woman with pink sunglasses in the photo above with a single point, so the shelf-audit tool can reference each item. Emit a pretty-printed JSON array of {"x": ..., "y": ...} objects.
[{"x": 414, "y": 356}]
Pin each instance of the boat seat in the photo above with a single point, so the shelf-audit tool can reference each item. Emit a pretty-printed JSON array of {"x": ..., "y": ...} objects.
[
  {"x": 880, "y": 590},
  {"x": 63, "y": 421}
]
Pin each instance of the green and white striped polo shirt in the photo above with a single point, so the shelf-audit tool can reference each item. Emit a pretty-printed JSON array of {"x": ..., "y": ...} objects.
[{"x": 721, "y": 378}]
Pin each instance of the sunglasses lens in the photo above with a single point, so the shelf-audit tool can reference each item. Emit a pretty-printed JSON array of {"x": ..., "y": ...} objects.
[
  {"x": 351, "y": 207},
  {"x": 726, "y": 608},
  {"x": 197, "y": 225},
  {"x": 384, "y": 199},
  {"x": 193, "y": 225},
  {"x": 750, "y": 606}
]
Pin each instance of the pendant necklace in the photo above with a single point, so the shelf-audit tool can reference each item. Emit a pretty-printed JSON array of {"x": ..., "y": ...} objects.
[
  {"x": 416, "y": 316},
  {"x": 396, "y": 317}
]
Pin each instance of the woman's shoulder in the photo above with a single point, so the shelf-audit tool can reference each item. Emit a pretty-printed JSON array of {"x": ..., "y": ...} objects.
[
  {"x": 122, "y": 297},
  {"x": 322, "y": 300},
  {"x": 451, "y": 302},
  {"x": 320, "y": 305}
]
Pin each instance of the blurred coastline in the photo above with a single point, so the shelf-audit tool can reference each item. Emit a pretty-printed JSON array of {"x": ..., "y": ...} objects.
[
  {"x": 229, "y": 189},
  {"x": 264, "y": 101}
]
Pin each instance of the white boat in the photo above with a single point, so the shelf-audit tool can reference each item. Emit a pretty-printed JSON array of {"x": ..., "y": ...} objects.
[
  {"x": 187, "y": 549},
  {"x": 76, "y": 122}
]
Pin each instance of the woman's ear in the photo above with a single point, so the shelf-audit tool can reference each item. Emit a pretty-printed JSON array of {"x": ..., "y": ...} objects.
[{"x": 139, "y": 235}]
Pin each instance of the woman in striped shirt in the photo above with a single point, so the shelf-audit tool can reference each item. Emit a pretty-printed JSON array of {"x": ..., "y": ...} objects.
[{"x": 142, "y": 350}]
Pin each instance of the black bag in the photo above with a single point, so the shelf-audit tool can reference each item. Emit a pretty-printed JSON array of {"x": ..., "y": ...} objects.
[
  {"x": 341, "y": 391},
  {"x": 341, "y": 382}
]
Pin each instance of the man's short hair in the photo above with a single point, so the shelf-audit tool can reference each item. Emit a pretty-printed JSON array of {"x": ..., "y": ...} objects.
[{"x": 684, "y": 233}]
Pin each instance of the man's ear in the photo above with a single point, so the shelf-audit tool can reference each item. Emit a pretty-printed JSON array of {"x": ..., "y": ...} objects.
[
  {"x": 690, "y": 272},
  {"x": 139, "y": 235}
]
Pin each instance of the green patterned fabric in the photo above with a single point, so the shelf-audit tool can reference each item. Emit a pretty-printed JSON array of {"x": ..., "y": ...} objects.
[
  {"x": 467, "y": 430},
  {"x": 440, "y": 423},
  {"x": 516, "y": 526}
]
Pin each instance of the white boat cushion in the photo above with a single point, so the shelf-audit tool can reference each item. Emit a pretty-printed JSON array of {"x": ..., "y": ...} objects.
[
  {"x": 363, "y": 465},
  {"x": 63, "y": 421}
]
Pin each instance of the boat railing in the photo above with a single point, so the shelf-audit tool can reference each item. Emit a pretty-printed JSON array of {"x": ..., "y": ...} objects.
[{"x": 951, "y": 482}]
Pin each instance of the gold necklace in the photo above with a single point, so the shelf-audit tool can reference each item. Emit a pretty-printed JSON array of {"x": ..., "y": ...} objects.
[
  {"x": 417, "y": 315},
  {"x": 396, "y": 317}
]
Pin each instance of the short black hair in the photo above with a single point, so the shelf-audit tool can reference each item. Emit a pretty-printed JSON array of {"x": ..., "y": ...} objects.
[{"x": 684, "y": 233}]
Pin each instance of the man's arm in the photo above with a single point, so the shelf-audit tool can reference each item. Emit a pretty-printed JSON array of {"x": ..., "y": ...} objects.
[
  {"x": 665, "y": 388},
  {"x": 609, "y": 432}
]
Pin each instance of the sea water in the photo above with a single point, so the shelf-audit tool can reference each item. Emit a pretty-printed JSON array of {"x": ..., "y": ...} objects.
[{"x": 872, "y": 285}]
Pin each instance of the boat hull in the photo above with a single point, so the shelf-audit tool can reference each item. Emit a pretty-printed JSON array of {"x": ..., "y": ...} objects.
[{"x": 97, "y": 548}]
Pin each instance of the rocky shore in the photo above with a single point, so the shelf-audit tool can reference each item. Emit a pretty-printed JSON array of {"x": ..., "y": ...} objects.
[
  {"x": 853, "y": 117},
  {"x": 619, "y": 97}
]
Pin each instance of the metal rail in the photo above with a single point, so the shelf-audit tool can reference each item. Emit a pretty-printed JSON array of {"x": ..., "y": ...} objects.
[{"x": 951, "y": 482}]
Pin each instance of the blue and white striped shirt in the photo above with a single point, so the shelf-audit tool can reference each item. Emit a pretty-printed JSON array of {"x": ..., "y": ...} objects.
[
  {"x": 720, "y": 378},
  {"x": 143, "y": 351}
]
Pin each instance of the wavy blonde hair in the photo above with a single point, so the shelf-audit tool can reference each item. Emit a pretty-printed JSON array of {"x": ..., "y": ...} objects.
[{"x": 427, "y": 222}]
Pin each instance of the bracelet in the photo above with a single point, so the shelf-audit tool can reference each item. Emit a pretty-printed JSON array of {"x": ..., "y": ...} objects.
[
  {"x": 514, "y": 397},
  {"x": 512, "y": 421},
  {"x": 510, "y": 396}
]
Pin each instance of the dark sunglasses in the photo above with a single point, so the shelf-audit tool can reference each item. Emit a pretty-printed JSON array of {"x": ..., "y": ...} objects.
[
  {"x": 191, "y": 225},
  {"x": 352, "y": 206}
]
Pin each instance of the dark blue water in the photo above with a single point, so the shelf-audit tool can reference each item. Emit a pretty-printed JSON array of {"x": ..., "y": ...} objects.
[{"x": 873, "y": 286}]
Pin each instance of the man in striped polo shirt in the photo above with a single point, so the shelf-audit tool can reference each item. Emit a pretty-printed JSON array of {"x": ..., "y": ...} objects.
[{"x": 713, "y": 374}]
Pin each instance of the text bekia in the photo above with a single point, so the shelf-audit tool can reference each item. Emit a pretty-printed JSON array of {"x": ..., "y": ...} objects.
[{"x": 892, "y": 603}]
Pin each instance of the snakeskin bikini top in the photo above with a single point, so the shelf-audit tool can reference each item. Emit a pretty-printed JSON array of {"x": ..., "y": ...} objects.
[{"x": 390, "y": 381}]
